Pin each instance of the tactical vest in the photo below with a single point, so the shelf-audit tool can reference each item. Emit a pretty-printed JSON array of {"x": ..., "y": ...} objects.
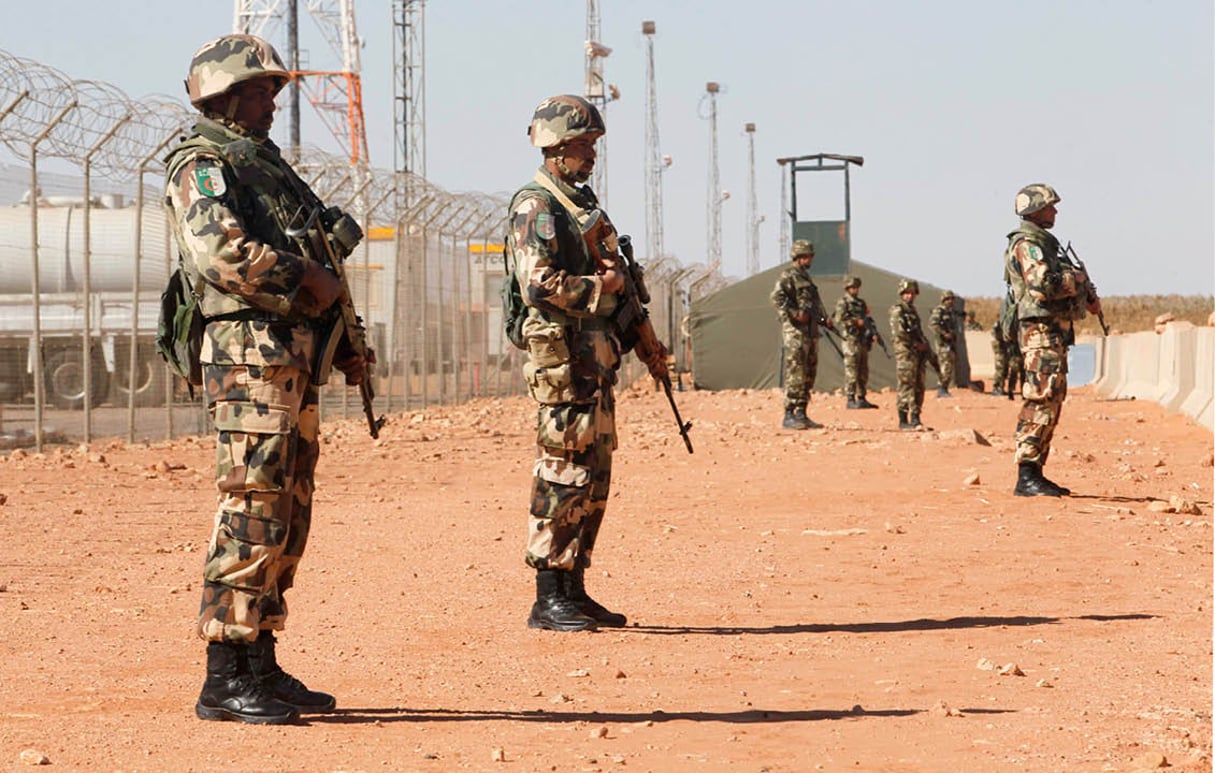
[
  {"x": 261, "y": 191},
  {"x": 805, "y": 297},
  {"x": 575, "y": 258},
  {"x": 1027, "y": 306}
]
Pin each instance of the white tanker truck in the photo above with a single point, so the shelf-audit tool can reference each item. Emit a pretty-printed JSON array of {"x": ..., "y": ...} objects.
[{"x": 110, "y": 299}]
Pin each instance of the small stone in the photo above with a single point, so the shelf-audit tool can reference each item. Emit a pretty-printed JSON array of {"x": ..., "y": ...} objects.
[
  {"x": 1159, "y": 506},
  {"x": 971, "y": 479},
  {"x": 985, "y": 665},
  {"x": 599, "y": 732},
  {"x": 621, "y": 675},
  {"x": 559, "y": 698},
  {"x": 34, "y": 757},
  {"x": 943, "y": 709},
  {"x": 497, "y": 755},
  {"x": 3, "y": 499},
  {"x": 1183, "y": 505},
  {"x": 578, "y": 673},
  {"x": 1010, "y": 669},
  {"x": 1149, "y": 761},
  {"x": 1043, "y": 683}
]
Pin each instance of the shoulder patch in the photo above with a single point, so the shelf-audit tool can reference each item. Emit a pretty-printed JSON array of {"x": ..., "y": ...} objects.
[
  {"x": 1034, "y": 252},
  {"x": 545, "y": 228},
  {"x": 210, "y": 178}
]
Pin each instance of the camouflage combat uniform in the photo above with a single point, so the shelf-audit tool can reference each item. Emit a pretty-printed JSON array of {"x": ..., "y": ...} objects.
[
  {"x": 944, "y": 320},
  {"x": 909, "y": 358},
  {"x": 228, "y": 194},
  {"x": 850, "y": 315},
  {"x": 1048, "y": 300},
  {"x": 796, "y": 292},
  {"x": 1006, "y": 358},
  {"x": 573, "y": 356}
]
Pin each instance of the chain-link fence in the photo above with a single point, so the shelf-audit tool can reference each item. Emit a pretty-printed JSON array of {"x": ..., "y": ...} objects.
[{"x": 85, "y": 250}]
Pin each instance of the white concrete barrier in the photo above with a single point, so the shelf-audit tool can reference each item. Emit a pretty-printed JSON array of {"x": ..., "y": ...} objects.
[
  {"x": 1175, "y": 369},
  {"x": 1197, "y": 404}
]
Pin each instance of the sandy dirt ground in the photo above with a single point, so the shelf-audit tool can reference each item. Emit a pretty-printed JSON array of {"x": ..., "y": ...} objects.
[{"x": 848, "y": 599}]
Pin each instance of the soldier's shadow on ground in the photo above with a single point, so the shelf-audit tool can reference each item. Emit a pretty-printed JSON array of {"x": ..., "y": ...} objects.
[
  {"x": 922, "y": 624},
  {"x": 750, "y": 716}
]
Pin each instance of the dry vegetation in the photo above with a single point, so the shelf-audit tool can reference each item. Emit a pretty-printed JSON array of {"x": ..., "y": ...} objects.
[{"x": 1123, "y": 313}]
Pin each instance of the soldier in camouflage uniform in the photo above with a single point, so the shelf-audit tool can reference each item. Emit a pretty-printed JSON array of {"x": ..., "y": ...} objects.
[
  {"x": 851, "y": 315},
  {"x": 910, "y": 355},
  {"x": 1050, "y": 294},
  {"x": 800, "y": 310},
  {"x": 229, "y": 198},
  {"x": 944, "y": 323},
  {"x": 573, "y": 355},
  {"x": 1006, "y": 358}
]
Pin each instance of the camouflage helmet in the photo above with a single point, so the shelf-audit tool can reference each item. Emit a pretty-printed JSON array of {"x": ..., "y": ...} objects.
[
  {"x": 226, "y": 61},
  {"x": 801, "y": 247},
  {"x": 852, "y": 281},
  {"x": 947, "y": 296},
  {"x": 909, "y": 285},
  {"x": 1033, "y": 198},
  {"x": 562, "y": 118}
]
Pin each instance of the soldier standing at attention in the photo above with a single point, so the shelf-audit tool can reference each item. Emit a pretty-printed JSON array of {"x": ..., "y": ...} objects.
[
  {"x": 851, "y": 319},
  {"x": 573, "y": 354},
  {"x": 800, "y": 310},
  {"x": 1049, "y": 294},
  {"x": 229, "y": 197},
  {"x": 910, "y": 355},
  {"x": 944, "y": 323}
]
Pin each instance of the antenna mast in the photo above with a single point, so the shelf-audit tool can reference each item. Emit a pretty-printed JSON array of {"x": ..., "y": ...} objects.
[
  {"x": 716, "y": 194},
  {"x": 654, "y": 161},
  {"x": 597, "y": 92},
  {"x": 753, "y": 217},
  {"x": 409, "y": 87}
]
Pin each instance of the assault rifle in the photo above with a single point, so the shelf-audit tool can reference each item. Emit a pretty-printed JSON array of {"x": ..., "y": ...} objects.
[
  {"x": 815, "y": 310},
  {"x": 1069, "y": 254},
  {"x": 917, "y": 336},
  {"x": 338, "y": 228},
  {"x": 631, "y": 317},
  {"x": 872, "y": 331}
]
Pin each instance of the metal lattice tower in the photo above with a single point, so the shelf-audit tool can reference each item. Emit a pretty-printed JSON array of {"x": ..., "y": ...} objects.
[
  {"x": 409, "y": 86},
  {"x": 715, "y": 194},
  {"x": 596, "y": 91},
  {"x": 337, "y": 95},
  {"x": 786, "y": 221},
  {"x": 753, "y": 216},
  {"x": 655, "y": 163}
]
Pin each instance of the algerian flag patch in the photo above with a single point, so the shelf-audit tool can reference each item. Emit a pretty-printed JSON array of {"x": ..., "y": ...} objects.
[
  {"x": 210, "y": 179},
  {"x": 545, "y": 228}
]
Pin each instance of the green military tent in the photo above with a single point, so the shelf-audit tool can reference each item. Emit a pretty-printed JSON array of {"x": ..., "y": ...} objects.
[{"x": 736, "y": 336}]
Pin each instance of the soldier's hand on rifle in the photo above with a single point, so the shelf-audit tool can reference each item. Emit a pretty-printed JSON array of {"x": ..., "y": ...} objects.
[
  {"x": 613, "y": 279},
  {"x": 800, "y": 317},
  {"x": 656, "y": 363},
  {"x": 920, "y": 346},
  {"x": 319, "y": 289},
  {"x": 1094, "y": 304}
]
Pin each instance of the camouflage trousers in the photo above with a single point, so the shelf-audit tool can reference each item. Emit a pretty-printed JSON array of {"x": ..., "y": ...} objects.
[
  {"x": 1043, "y": 388},
  {"x": 856, "y": 367},
  {"x": 1007, "y": 362},
  {"x": 801, "y": 366},
  {"x": 909, "y": 376},
  {"x": 267, "y": 423},
  {"x": 572, "y": 479},
  {"x": 949, "y": 364}
]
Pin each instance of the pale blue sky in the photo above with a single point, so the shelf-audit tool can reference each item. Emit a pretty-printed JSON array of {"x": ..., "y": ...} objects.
[{"x": 955, "y": 104}]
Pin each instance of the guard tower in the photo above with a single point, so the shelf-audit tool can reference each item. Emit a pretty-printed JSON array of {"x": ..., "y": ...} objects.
[{"x": 832, "y": 238}]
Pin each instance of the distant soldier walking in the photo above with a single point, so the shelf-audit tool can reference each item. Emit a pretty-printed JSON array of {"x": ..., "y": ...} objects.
[
  {"x": 853, "y": 321},
  {"x": 911, "y": 354},
  {"x": 944, "y": 321},
  {"x": 799, "y": 307},
  {"x": 1049, "y": 294}
]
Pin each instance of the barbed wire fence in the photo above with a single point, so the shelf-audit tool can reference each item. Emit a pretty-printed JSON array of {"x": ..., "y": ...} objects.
[{"x": 85, "y": 250}]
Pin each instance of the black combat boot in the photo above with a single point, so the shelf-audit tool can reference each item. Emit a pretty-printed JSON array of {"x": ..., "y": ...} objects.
[
  {"x": 791, "y": 421},
  {"x": 231, "y": 691},
  {"x": 913, "y": 418},
  {"x": 943, "y": 392},
  {"x": 282, "y": 685},
  {"x": 853, "y": 404},
  {"x": 864, "y": 403},
  {"x": 552, "y": 610},
  {"x": 904, "y": 422},
  {"x": 807, "y": 422},
  {"x": 575, "y": 591},
  {"x": 1030, "y": 482},
  {"x": 1064, "y": 490},
  {"x": 997, "y": 391}
]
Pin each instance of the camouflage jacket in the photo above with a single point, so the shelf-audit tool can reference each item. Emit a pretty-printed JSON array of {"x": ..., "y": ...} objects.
[
  {"x": 944, "y": 319},
  {"x": 229, "y": 197},
  {"x": 795, "y": 291},
  {"x": 850, "y": 314},
  {"x": 905, "y": 326},
  {"x": 1043, "y": 284},
  {"x": 557, "y": 274}
]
